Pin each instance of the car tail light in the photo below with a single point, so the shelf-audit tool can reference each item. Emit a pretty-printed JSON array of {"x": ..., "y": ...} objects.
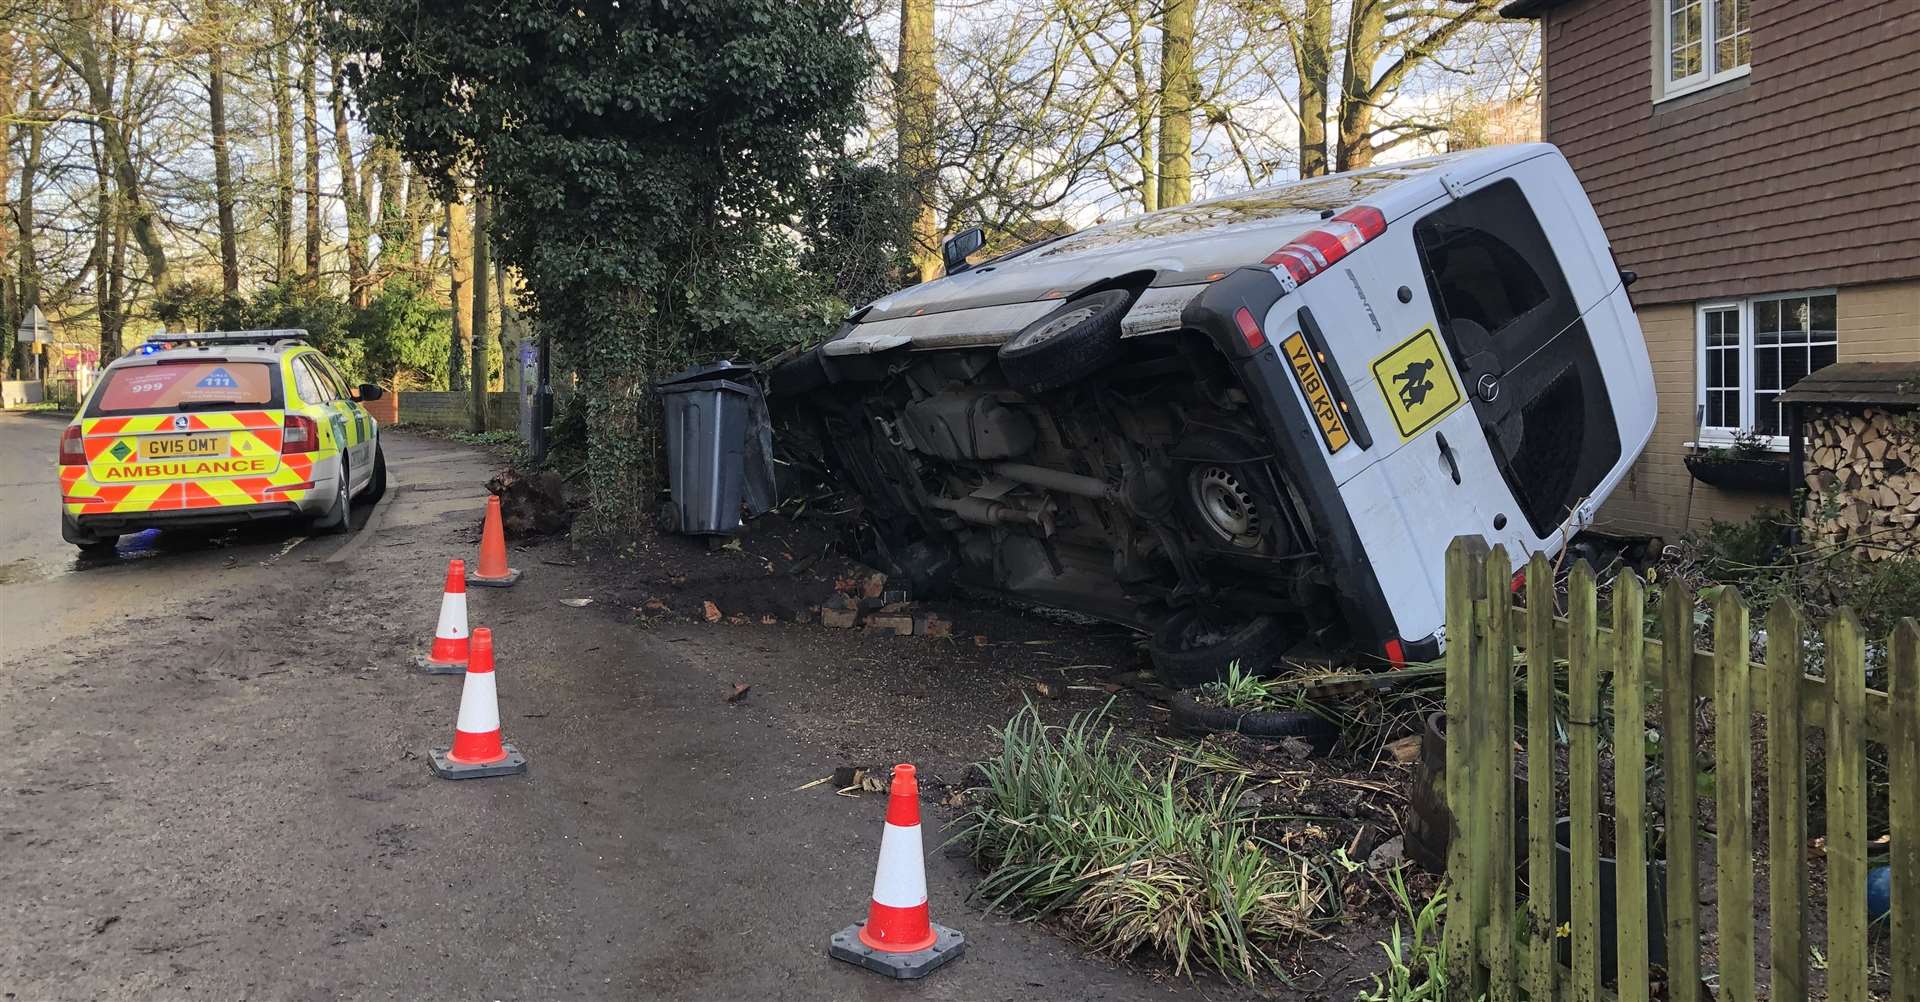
[
  {"x": 1249, "y": 329},
  {"x": 299, "y": 434},
  {"x": 1316, "y": 250},
  {"x": 73, "y": 452}
]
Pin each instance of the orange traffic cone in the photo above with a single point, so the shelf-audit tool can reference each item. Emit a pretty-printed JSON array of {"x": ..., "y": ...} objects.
[
  {"x": 493, "y": 570},
  {"x": 898, "y": 938},
  {"x": 448, "y": 655},
  {"x": 477, "y": 749}
]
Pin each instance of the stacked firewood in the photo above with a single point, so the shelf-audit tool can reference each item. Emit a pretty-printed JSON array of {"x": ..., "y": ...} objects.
[{"x": 1863, "y": 480}]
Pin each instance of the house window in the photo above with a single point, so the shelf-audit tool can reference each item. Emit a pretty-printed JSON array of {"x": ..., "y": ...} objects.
[
  {"x": 1704, "y": 42},
  {"x": 1753, "y": 350}
]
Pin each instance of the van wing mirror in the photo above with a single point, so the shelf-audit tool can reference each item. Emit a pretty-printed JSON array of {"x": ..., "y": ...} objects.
[{"x": 955, "y": 250}]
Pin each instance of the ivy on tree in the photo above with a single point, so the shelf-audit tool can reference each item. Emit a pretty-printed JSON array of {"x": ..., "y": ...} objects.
[{"x": 631, "y": 148}]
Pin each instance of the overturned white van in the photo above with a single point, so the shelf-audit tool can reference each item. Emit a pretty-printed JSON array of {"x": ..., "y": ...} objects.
[{"x": 1252, "y": 424}]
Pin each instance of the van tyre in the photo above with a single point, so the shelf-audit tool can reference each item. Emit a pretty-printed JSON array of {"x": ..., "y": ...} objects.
[
  {"x": 1067, "y": 345},
  {"x": 1191, "y": 647},
  {"x": 1191, "y": 717},
  {"x": 1229, "y": 500}
]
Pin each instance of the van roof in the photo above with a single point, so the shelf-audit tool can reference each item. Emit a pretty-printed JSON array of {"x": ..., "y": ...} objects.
[{"x": 1192, "y": 243}]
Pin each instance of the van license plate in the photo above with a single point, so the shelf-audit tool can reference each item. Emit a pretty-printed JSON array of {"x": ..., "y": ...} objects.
[
  {"x": 1306, "y": 372},
  {"x": 183, "y": 447}
]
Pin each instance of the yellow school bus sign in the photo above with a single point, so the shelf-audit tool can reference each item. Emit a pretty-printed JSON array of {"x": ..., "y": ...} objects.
[{"x": 1417, "y": 383}]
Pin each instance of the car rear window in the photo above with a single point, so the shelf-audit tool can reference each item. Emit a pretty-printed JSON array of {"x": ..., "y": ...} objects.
[{"x": 166, "y": 387}]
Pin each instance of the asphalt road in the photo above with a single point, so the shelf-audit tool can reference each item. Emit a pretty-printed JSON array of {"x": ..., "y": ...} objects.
[{"x": 215, "y": 787}]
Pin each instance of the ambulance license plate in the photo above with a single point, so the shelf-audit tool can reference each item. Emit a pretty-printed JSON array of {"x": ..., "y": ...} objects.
[{"x": 183, "y": 447}]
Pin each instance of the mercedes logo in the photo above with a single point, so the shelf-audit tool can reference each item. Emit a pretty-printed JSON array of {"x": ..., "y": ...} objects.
[{"x": 1488, "y": 387}]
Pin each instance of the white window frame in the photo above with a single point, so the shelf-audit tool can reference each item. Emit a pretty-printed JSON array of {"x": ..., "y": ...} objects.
[
  {"x": 1711, "y": 437},
  {"x": 1666, "y": 85}
]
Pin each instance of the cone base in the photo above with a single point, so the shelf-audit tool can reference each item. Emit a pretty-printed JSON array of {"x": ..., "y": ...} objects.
[
  {"x": 446, "y": 768},
  {"x": 503, "y": 581},
  {"x": 433, "y": 667},
  {"x": 948, "y": 945}
]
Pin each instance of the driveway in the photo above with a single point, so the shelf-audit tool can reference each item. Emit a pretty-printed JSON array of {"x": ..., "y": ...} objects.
[{"x": 216, "y": 784}]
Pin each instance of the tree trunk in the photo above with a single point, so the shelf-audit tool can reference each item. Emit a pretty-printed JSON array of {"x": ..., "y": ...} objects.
[
  {"x": 358, "y": 286},
  {"x": 482, "y": 279},
  {"x": 113, "y": 128},
  {"x": 281, "y": 69},
  {"x": 310, "y": 114},
  {"x": 916, "y": 89},
  {"x": 1364, "y": 48},
  {"x": 1147, "y": 156},
  {"x": 103, "y": 249},
  {"x": 222, "y": 164},
  {"x": 12, "y": 291},
  {"x": 419, "y": 212},
  {"x": 459, "y": 269},
  {"x": 1315, "y": 59},
  {"x": 393, "y": 227},
  {"x": 1177, "y": 96}
]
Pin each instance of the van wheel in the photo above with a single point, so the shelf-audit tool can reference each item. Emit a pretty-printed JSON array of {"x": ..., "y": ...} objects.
[
  {"x": 1195, "y": 646},
  {"x": 1228, "y": 499},
  {"x": 1067, "y": 345}
]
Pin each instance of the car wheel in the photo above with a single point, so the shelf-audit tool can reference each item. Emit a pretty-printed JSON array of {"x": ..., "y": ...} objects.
[
  {"x": 377, "y": 486},
  {"x": 1228, "y": 499},
  {"x": 1195, "y": 646},
  {"x": 339, "y": 518},
  {"x": 1067, "y": 345}
]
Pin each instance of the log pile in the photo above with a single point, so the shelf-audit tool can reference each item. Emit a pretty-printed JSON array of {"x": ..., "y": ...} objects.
[{"x": 1862, "y": 469}]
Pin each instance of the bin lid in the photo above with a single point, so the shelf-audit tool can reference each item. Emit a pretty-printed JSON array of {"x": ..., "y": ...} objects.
[{"x": 725, "y": 369}]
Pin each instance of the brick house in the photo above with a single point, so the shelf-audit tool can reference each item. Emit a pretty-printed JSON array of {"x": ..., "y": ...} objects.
[{"x": 1757, "y": 163}]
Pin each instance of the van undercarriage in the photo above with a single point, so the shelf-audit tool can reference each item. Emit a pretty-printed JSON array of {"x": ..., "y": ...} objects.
[{"x": 1145, "y": 492}]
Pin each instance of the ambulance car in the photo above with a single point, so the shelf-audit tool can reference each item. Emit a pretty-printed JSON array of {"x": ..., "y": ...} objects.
[
  {"x": 216, "y": 429},
  {"x": 1251, "y": 424}
]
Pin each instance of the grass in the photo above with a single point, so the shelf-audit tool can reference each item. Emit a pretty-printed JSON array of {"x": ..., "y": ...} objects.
[
  {"x": 1414, "y": 971},
  {"x": 1075, "y": 825}
]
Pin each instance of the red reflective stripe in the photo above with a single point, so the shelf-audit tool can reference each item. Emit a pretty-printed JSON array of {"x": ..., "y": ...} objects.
[
  {"x": 903, "y": 805},
  {"x": 107, "y": 426},
  {"x": 477, "y": 749},
  {"x": 897, "y": 930}
]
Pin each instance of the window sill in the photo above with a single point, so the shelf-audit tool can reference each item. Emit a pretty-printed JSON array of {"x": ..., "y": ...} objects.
[
  {"x": 1675, "y": 92},
  {"x": 1778, "y": 445}
]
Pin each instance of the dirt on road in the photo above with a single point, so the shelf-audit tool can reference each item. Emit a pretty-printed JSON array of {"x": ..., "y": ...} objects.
[{"x": 217, "y": 784}]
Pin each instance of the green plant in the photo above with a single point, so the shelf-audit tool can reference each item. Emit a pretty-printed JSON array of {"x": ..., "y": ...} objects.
[
  {"x": 1072, "y": 823},
  {"x": 1414, "y": 968},
  {"x": 1240, "y": 690}
]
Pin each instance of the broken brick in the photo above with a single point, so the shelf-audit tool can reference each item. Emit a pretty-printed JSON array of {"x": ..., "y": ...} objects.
[
  {"x": 933, "y": 625},
  {"x": 874, "y": 586},
  {"x": 710, "y": 611},
  {"x": 895, "y": 624},
  {"x": 840, "y": 619}
]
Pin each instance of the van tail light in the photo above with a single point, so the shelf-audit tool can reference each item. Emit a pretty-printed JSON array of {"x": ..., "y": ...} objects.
[
  {"x": 1318, "y": 249},
  {"x": 73, "y": 452},
  {"x": 1396, "y": 653},
  {"x": 299, "y": 434}
]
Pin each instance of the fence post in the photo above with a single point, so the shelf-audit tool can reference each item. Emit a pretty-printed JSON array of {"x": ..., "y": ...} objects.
[
  {"x": 1903, "y": 807},
  {"x": 1786, "y": 804},
  {"x": 1583, "y": 780},
  {"x": 1497, "y": 788},
  {"x": 1542, "y": 967},
  {"x": 1846, "y": 811},
  {"x": 1630, "y": 785},
  {"x": 1683, "y": 822},
  {"x": 1467, "y": 911},
  {"x": 1733, "y": 792}
]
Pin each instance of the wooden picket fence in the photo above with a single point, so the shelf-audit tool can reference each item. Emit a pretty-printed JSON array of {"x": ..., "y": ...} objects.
[{"x": 1498, "y": 948}]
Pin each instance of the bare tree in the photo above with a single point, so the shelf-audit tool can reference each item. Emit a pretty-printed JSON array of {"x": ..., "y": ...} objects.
[
  {"x": 917, "y": 94},
  {"x": 1177, "y": 95}
]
